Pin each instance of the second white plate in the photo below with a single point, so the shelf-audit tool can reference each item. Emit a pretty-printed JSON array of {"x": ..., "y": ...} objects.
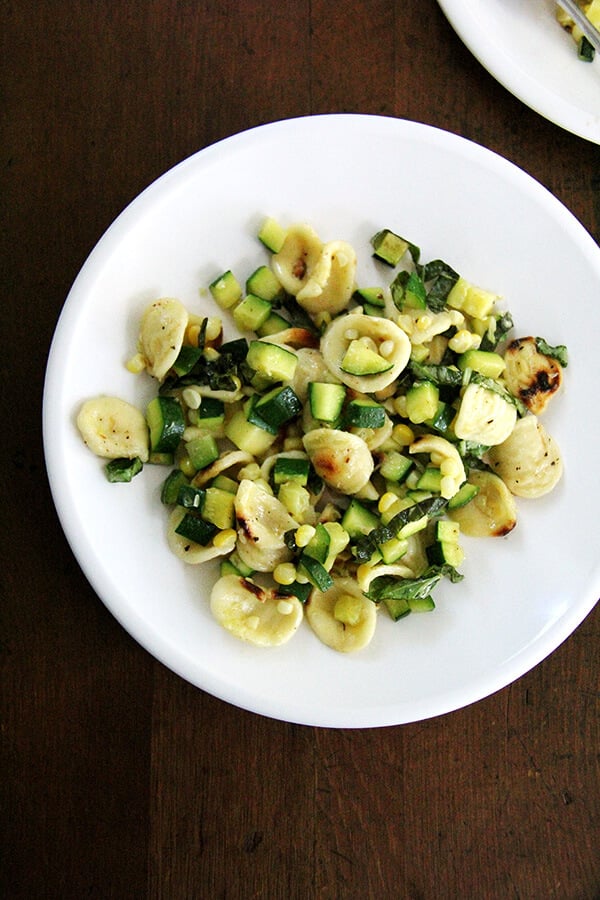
[{"x": 522, "y": 45}]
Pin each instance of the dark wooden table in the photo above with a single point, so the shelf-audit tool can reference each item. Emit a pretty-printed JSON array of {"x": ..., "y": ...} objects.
[{"x": 119, "y": 779}]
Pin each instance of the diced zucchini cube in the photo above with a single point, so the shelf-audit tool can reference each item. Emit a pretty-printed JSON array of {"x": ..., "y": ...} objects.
[
  {"x": 219, "y": 508},
  {"x": 202, "y": 451},
  {"x": 226, "y": 290},
  {"x": 272, "y": 235},
  {"x": 389, "y": 247},
  {"x": 251, "y": 313},
  {"x": 263, "y": 283},
  {"x": 271, "y": 360}
]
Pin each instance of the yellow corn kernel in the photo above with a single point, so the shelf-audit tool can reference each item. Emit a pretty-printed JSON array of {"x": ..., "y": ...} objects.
[
  {"x": 187, "y": 466},
  {"x": 424, "y": 322},
  {"x": 224, "y": 538},
  {"x": 214, "y": 327},
  {"x": 464, "y": 340},
  {"x": 136, "y": 364},
  {"x": 403, "y": 435},
  {"x": 400, "y": 405},
  {"x": 304, "y": 535},
  {"x": 251, "y": 472},
  {"x": 450, "y": 467},
  {"x": 191, "y": 398},
  {"x": 293, "y": 443},
  {"x": 192, "y": 333},
  {"x": 385, "y": 501},
  {"x": 284, "y": 573},
  {"x": 285, "y": 607}
]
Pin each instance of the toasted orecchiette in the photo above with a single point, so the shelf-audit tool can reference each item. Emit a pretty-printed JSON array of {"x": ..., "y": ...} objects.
[
  {"x": 253, "y": 613},
  {"x": 189, "y": 551},
  {"x": 530, "y": 375},
  {"x": 340, "y": 458},
  {"x": 262, "y": 522},
  {"x": 387, "y": 342},
  {"x": 331, "y": 282},
  {"x": 296, "y": 260},
  {"x": 492, "y": 512},
  {"x": 113, "y": 428},
  {"x": 484, "y": 416},
  {"x": 162, "y": 329},
  {"x": 529, "y": 460},
  {"x": 342, "y": 617}
]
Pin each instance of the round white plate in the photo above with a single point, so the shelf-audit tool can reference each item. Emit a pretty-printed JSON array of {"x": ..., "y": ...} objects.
[
  {"x": 522, "y": 45},
  {"x": 348, "y": 176}
]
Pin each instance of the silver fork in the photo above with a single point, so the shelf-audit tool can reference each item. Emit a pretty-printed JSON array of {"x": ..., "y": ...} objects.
[{"x": 580, "y": 18}]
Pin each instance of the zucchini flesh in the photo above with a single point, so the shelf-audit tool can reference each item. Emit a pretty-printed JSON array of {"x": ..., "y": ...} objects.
[
  {"x": 251, "y": 313},
  {"x": 365, "y": 414},
  {"x": 291, "y": 469},
  {"x": 271, "y": 360},
  {"x": 166, "y": 423},
  {"x": 172, "y": 484},
  {"x": 389, "y": 247},
  {"x": 226, "y": 290},
  {"x": 202, "y": 451},
  {"x": 196, "y": 529},
  {"x": 278, "y": 406},
  {"x": 316, "y": 573},
  {"x": 122, "y": 470},
  {"x": 326, "y": 400}
]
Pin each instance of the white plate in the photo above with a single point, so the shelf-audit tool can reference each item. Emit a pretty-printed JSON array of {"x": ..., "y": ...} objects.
[
  {"x": 522, "y": 45},
  {"x": 348, "y": 176}
]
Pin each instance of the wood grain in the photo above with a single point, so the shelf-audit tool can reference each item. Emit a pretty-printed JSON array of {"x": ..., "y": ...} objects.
[{"x": 120, "y": 780}]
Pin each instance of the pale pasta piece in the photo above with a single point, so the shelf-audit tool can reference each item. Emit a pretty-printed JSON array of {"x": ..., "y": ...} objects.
[
  {"x": 113, "y": 429},
  {"x": 298, "y": 256},
  {"x": 529, "y": 460},
  {"x": 367, "y": 574},
  {"x": 530, "y": 375},
  {"x": 189, "y": 551},
  {"x": 340, "y": 458},
  {"x": 162, "y": 330},
  {"x": 331, "y": 282},
  {"x": 384, "y": 335},
  {"x": 255, "y": 614},
  {"x": 262, "y": 523},
  {"x": 342, "y": 617},
  {"x": 491, "y": 513},
  {"x": 484, "y": 416}
]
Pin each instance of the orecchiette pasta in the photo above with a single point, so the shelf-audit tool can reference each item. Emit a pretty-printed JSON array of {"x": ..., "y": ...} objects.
[
  {"x": 484, "y": 416},
  {"x": 252, "y": 613},
  {"x": 113, "y": 428},
  {"x": 530, "y": 375},
  {"x": 492, "y": 512},
  {"x": 331, "y": 282},
  {"x": 529, "y": 460},
  {"x": 162, "y": 330},
  {"x": 262, "y": 522},
  {"x": 385, "y": 336},
  {"x": 342, "y": 617},
  {"x": 342, "y": 459},
  {"x": 295, "y": 262}
]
